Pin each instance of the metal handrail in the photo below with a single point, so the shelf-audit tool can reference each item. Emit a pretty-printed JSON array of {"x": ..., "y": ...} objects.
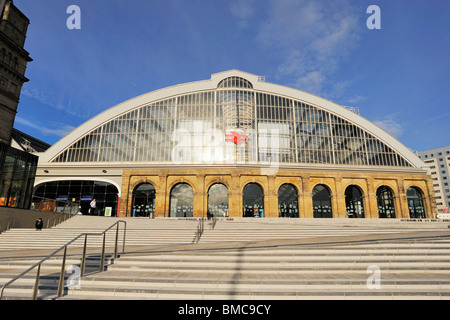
[
  {"x": 61, "y": 216},
  {"x": 200, "y": 228},
  {"x": 63, "y": 266},
  {"x": 8, "y": 225},
  {"x": 213, "y": 222}
]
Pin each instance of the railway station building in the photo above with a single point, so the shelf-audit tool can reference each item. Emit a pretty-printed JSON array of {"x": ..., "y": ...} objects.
[{"x": 235, "y": 146}]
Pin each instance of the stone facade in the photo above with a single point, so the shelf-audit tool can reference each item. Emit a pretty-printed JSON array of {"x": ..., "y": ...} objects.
[
  {"x": 304, "y": 181},
  {"x": 13, "y": 63}
]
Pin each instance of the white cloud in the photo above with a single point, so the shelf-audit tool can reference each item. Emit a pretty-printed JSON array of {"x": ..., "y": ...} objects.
[
  {"x": 312, "y": 82},
  {"x": 49, "y": 100},
  {"x": 311, "y": 38},
  {"x": 59, "y": 129},
  {"x": 242, "y": 9},
  {"x": 390, "y": 126}
]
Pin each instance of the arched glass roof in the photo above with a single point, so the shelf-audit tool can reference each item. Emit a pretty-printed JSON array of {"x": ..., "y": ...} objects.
[
  {"x": 235, "y": 82},
  {"x": 230, "y": 123}
]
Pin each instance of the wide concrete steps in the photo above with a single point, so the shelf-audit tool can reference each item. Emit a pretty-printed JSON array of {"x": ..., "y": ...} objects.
[
  {"x": 338, "y": 272},
  {"x": 143, "y": 231},
  {"x": 239, "y": 259}
]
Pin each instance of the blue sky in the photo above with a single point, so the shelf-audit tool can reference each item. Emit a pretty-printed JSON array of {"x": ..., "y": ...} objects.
[{"x": 398, "y": 75}]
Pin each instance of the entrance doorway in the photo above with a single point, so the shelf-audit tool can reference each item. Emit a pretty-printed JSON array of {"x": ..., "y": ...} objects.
[
  {"x": 354, "y": 202},
  {"x": 144, "y": 201},
  {"x": 385, "y": 200},
  {"x": 218, "y": 200},
  {"x": 181, "y": 201},
  {"x": 322, "y": 202},
  {"x": 253, "y": 201},
  {"x": 415, "y": 203},
  {"x": 288, "y": 201}
]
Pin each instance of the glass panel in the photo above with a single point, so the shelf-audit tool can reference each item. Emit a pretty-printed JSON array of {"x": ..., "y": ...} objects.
[
  {"x": 218, "y": 201},
  {"x": 321, "y": 202},
  {"x": 288, "y": 201},
  {"x": 385, "y": 200},
  {"x": 181, "y": 201},
  {"x": 143, "y": 201},
  {"x": 354, "y": 202},
  {"x": 253, "y": 201},
  {"x": 415, "y": 203},
  {"x": 306, "y": 134}
]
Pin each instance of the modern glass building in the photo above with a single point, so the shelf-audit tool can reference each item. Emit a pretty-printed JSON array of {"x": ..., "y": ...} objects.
[{"x": 237, "y": 146}]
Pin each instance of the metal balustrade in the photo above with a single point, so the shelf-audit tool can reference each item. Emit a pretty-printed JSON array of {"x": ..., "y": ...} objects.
[{"x": 63, "y": 265}]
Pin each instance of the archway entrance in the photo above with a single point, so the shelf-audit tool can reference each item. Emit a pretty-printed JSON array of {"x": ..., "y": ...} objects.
[
  {"x": 218, "y": 200},
  {"x": 288, "y": 201},
  {"x": 354, "y": 202},
  {"x": 415, "y": 203},
  {"x": 144, "y": 201},
  {"x": 59, "y": 195},
  {"x": 253, "y": 201},
  {"x": 385, "y": 200},
  {"x": 322, "y": 202},
  {"x": 181, "y": 201}
]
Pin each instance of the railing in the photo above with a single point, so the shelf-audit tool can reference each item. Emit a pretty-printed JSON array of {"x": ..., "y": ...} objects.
[
  {"x": 63, "y": 265},
  {"x": 213, "y": 222},
  {"x": 58, "y": 219},
  {"x": 53, "y": 205},
  {"x": 7, "y": 226},
  {"x": 200, "y": 228}
]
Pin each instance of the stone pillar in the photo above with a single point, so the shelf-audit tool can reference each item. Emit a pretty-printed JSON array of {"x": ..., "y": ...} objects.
[
  {"x": 401, "y": 200},
  {"x": 306, "y": 199},
  {"x": 431, "y": 207},
  {"x": 338, "y": 200},
  {"x": 123, "y": 210},
  {"x": 370, "y": 200},
  {"x": 272, "y": 199},
  {"x": 160, "y": 198},
  {"x": 235, "y": 197},
  {"x": 199, "y": 197}
]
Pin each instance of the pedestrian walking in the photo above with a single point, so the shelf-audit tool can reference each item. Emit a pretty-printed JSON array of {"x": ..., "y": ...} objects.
[{"x": 93, "y": 205}]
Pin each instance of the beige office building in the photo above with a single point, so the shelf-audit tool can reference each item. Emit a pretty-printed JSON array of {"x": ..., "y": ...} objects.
[
  {"x": 236, "y": 146},
  {"x": 438, "y": 161}
]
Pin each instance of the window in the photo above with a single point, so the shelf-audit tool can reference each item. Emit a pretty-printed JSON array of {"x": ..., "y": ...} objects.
[
  {"x": 415, "y": 203},
  {"x": 385, "y": 200},
  {"x": 288, "y": 201},
  {"x": 143, "y": 201},
  {"x": 354, "y": 202},
  {"x": 181, "y": 201},
  {"x": 253, "y": 201},
  {"x": 218, "y": 200},
  {"x": 322, "y": 202}
]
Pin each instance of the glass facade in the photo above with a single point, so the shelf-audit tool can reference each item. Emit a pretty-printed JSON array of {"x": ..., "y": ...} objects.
[
  {"x": 144, "y": 201},
  {"x": 218, "y": 200},
  {"x": 192, "y": 129},
  {"x": 385, "y": 200},
  {"x": 81, "y": 192},
  {"x": 253, "y": 200},
  {"x": 17, "y": 174},
  {"x": 182, "y": 201},
  {"x": 322, "y": 202},
  {"x": 415, "y": 203},
  {"x": 288, "y": 201},
  {"x": 354, "y": 202}
]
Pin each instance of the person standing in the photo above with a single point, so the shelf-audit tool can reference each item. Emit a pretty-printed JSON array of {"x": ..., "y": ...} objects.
[{"x": 92, "y": 208}]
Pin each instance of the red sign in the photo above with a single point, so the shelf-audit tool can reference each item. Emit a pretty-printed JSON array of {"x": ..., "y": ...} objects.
[{"x": 236, "y": 137}]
